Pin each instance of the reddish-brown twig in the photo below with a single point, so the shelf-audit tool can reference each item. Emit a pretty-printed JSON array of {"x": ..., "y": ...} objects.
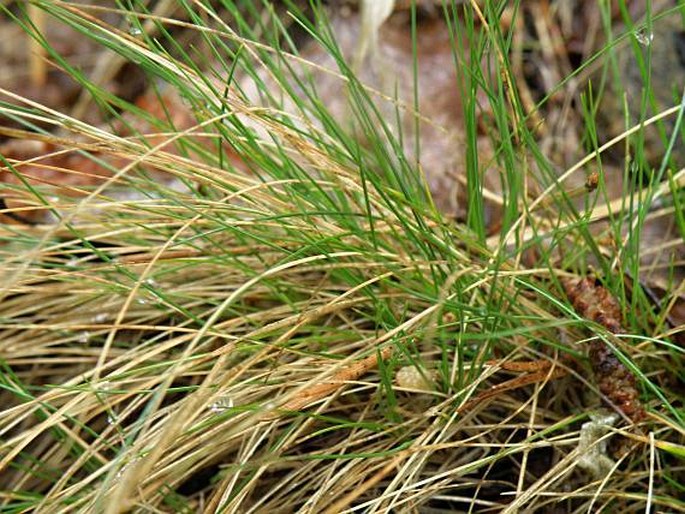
[
  {"x": 535, "y": 371},
  {"x": 340, "y": 379}
]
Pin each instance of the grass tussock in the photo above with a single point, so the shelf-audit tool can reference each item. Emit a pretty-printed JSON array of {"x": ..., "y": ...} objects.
[{"x": 229, "y": 299}]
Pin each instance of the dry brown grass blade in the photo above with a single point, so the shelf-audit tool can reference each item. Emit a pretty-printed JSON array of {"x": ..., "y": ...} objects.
[
  {"x": 342, "y": 377},
  {"x": 36, "y": 51},
  {"x": 342, "y": 503},
  {"x": 541, "y": 376},
  {"x": 238, "y": 349}
]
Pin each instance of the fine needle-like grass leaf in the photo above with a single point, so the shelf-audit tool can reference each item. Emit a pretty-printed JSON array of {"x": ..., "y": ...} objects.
[{"x": 221, "y": 320}]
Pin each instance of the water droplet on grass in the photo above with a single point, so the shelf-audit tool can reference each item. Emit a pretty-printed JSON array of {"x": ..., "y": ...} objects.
[
  {"x": 221, "y": 405},
  {"x": 644, "y": 37},
  {"x": 134, "y": 26}
]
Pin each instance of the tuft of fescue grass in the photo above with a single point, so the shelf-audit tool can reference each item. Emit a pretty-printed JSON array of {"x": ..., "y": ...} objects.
[{"x": 218, "y": 325}]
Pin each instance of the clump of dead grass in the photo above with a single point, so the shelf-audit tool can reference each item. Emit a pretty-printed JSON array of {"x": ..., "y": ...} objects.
[{"x": 229, "y": 339}]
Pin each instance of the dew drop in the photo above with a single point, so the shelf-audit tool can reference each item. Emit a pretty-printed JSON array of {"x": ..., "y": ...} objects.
[
  {"x": 83, "y": 337},
  {"x": 221, "y": 405},
  {"x": 644, "y": 37},
  {"x": 123, "y": 468},
  {"x": 100, "y": 318},
  {"x": 134, "y": 26}
]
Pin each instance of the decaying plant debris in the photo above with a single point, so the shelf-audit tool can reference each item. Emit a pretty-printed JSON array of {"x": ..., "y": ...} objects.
[
  {"x": 616, "y": 383},
  {"x": 250, "y": 267}
]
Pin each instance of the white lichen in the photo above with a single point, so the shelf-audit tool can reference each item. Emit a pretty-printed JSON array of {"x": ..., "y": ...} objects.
[{"x": 592, "y": 445}]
